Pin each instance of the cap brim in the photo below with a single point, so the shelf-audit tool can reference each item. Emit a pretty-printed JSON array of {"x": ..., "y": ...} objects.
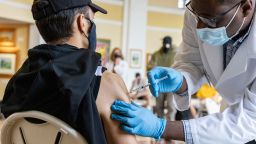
[{"x": 96, "y": 8}]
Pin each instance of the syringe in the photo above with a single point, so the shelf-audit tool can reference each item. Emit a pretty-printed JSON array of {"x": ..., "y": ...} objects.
[{"x": 148, "y": 84}]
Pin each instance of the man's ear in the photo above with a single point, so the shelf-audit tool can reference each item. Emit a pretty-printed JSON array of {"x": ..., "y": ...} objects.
[
  {"x": 248, "y": 7},
  {"x": 81, "y": 24}
]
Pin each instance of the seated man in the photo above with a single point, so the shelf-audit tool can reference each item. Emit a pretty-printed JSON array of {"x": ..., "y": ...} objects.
[{"x": 62, "y": 77}]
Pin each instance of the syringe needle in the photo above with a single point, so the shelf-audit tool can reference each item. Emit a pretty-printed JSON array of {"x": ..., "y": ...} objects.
[{"x": 148, "y": 84}]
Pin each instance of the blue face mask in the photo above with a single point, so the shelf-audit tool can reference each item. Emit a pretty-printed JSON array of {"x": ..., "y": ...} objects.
[
  {"x": 217, "y": 36},
  {"x": 92, "y": 38}
]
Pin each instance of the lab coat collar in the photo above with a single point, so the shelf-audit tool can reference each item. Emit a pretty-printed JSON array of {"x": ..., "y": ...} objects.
[
  {"x": 214, "y": 58},
  {"x": 238, "y": 63}
]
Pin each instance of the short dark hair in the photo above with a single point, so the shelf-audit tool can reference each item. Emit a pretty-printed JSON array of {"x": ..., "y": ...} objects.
[
  {"x": 137, "y": 74},
  {"x": 59, "y": 25}
]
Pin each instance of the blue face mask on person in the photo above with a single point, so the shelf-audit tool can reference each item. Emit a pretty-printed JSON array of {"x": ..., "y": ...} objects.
[
  {"x": 217, "y": 36},
  {"x": 92, "y": 38}
]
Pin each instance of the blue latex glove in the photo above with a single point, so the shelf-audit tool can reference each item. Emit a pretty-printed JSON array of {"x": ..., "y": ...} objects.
[
  {"x": 138, "y": 120},
  {"x": 172, "y": 84}
]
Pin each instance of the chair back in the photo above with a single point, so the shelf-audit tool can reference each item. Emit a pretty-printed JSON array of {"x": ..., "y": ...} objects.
[{"x": 34, "y": 127}]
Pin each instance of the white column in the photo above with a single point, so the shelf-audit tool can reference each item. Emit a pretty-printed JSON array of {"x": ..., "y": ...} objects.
[{"x": 135, "y": 12}]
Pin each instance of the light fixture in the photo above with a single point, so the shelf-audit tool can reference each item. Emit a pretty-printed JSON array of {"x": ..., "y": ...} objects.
[{"x": 7, "y": 44}]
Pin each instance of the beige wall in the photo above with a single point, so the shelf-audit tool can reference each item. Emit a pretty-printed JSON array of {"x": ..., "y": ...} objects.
[
  {"x": 154, "y": 39},
  {"x": 162, "y": 24},
  {"x": 3, "y": 83},
  {"x": 23, "y": 1},
  {"x": 164, "y": 3},
  {"x": 111, "y": 32},
  {"x": 165, "y": 20},
  {"x": 110, "y": 26},
  {"x": 115, "y": 12},
  {"x": 16, "y": 13}
]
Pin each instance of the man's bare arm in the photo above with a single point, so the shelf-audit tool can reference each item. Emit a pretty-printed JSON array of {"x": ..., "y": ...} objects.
[{"x": 111, "y": 88}]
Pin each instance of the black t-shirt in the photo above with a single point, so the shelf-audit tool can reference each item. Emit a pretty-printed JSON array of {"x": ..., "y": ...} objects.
[{"x": 59, "y": 80}]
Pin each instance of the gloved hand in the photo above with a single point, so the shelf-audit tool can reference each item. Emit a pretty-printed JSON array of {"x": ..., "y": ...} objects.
[
  {"x": 172, "y": 84},
  {"x": 138, "y": 120}
]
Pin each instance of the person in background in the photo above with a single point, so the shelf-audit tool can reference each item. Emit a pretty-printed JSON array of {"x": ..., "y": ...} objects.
[
  {"x": 164, "y": 57},
  {"x": 142, "y": 96},
  {"x": 117, "y": 64}
]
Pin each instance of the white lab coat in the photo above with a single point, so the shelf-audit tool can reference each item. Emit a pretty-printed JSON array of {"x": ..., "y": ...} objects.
[{"x": 237, "y": 123}]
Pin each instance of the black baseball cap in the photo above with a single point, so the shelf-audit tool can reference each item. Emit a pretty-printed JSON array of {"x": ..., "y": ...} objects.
[{"x": 45, "y": 8}]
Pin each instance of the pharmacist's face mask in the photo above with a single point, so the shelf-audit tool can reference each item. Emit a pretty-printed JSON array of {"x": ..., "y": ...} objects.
[{"x": 218, "y": 36}]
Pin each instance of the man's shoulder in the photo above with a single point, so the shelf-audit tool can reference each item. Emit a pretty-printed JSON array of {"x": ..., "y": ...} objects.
[
  {"x": 113, "y": 81},
  {"x": 109, "y": 77}
]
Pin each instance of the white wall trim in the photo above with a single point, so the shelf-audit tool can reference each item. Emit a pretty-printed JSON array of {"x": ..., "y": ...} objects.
[
  {"x": 108, "y": 22},
  {"x": 161, "y": 29},
  {"x": 113, "y": 2},
  {"x": 166, "y": 10},
  {"x": 16, "y": 4}
]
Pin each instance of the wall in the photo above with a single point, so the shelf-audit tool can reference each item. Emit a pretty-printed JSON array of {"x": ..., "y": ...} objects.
[
  {"x": 22, "y": 34},
  {"x": 110, "y": 26},
  {"x": 163, "y": 20},
  {"x": 111, "y": 32},
  {"x": 15, "y": 11},
  {"x": 164, "y": 3}
]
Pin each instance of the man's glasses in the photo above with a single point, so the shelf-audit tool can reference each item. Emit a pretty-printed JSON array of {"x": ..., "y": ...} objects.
[{"x": 212, "y": 22}]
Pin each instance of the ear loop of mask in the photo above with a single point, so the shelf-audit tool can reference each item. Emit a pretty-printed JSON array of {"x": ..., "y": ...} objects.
[
  {"x": 233, "y": 16},
  {"x": 239, "y": 29},
  {"x": 232, "y": 21},
  {"x": 86, "y": 36}
]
